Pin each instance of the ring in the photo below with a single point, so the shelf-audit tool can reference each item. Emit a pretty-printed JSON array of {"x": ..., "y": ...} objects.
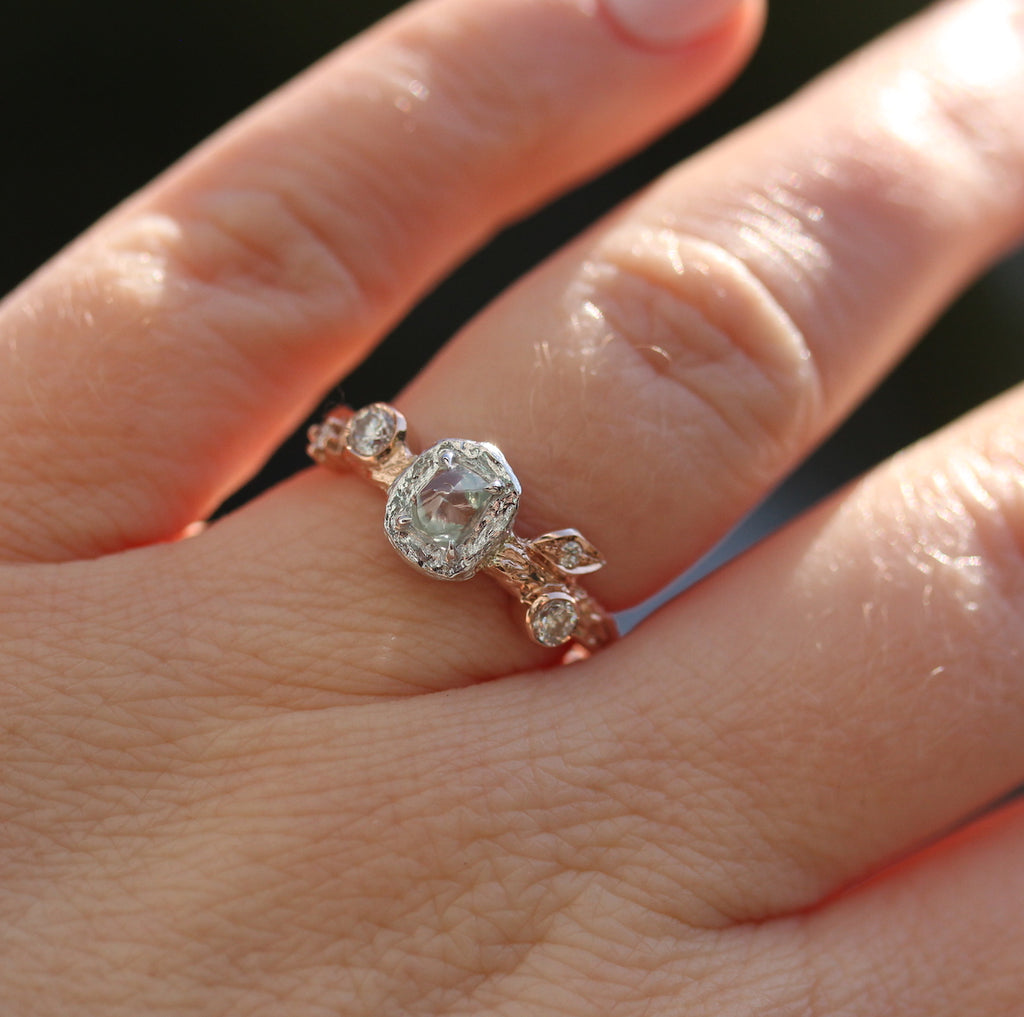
[{"x": 450, "y": 512}]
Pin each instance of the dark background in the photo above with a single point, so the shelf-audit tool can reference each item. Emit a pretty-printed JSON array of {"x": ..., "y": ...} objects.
[{"x": 99, "y": 97}]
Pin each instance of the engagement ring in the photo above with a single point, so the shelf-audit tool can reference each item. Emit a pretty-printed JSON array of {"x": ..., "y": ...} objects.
[{"x": 450, "y": 512}]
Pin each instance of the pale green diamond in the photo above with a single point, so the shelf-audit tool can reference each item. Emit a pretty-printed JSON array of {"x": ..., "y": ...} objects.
[
  {"x": 449, "y": 504},
  {"x": 452, "y": 508}
]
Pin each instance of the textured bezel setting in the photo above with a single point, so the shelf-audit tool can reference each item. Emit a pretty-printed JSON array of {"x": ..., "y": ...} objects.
[{"x": 452, "y": 508}]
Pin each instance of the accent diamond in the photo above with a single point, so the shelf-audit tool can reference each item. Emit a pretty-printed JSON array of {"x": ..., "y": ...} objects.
[
  {"x": 372, "y": 431},
  {"x": 452, "y": 508},
  {"x": 569, "y": 551},
  {"x": 553, "y": 620},
  {"x": 326, "y": 439},
  {"x": 571, "y": 554}
]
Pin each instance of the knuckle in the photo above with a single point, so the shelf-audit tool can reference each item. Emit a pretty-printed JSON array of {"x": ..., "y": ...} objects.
[
  {"x": 276, "y": 242},
  {"x": 496, "y": 113},
  {"x": 958, "y": 106},
  {"x": 989, "y": 485},
  {"x": 950, "y": 533},
  {"x": 707, "y": 325},
  {"x": 489, "y": 106},
  {"x": 295, "y": 219}
]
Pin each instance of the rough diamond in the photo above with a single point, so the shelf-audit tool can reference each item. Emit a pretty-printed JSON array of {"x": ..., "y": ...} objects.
[{"x": 452, "y": 508}]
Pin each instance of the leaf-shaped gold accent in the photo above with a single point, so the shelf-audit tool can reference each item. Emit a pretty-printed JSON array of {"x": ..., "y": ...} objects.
[{"x": 569, "y": 551}]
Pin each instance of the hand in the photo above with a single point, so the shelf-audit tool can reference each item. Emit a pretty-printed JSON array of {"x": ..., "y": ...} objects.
[{"x": 269, "y": 769}]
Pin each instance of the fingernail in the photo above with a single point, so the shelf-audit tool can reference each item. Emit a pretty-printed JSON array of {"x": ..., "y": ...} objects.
[{"x": 669, "y": 22}]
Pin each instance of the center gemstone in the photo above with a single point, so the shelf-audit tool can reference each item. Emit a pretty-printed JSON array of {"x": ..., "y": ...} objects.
[
  {"x": 452, "y": 508},
  {"x": 449, "y": 504}
]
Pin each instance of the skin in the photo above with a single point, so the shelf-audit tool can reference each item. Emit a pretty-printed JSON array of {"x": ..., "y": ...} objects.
[{"x": 271, "y": 770}]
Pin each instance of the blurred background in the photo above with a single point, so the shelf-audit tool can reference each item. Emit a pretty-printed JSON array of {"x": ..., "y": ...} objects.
[{"x": 99, "y": 97}]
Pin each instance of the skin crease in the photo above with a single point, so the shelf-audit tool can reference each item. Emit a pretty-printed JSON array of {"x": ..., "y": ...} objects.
[{"x": 270, "y": 770}]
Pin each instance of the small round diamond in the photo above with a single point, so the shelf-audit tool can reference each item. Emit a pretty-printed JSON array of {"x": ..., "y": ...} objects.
[
  {"x": 372, "y": 431},
  {"x": 326, "y": 439},
  {"x": 571, "y": 554},
  {"x": 553, "y": 619}
]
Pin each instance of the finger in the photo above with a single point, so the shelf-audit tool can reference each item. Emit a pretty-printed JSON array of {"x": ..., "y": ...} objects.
[
  {"x": 157, "y": 362},
  {"x": 851, "y": 689},
  {"x": 655, "y": 380},
  {"x": 940, "y": 935},
  {"x": 772, "y": 322}
]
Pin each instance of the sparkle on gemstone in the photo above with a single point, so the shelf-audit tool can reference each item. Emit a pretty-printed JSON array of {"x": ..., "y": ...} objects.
[
  {"x": 449, "y": 503},
  {"x": 554, "y": 620},
  {"x": 452, "y": 508},
  {"x": 326, "y": 438},
  {"x": 372, "y": 431},
  {"x": 571, "y": 554}
]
